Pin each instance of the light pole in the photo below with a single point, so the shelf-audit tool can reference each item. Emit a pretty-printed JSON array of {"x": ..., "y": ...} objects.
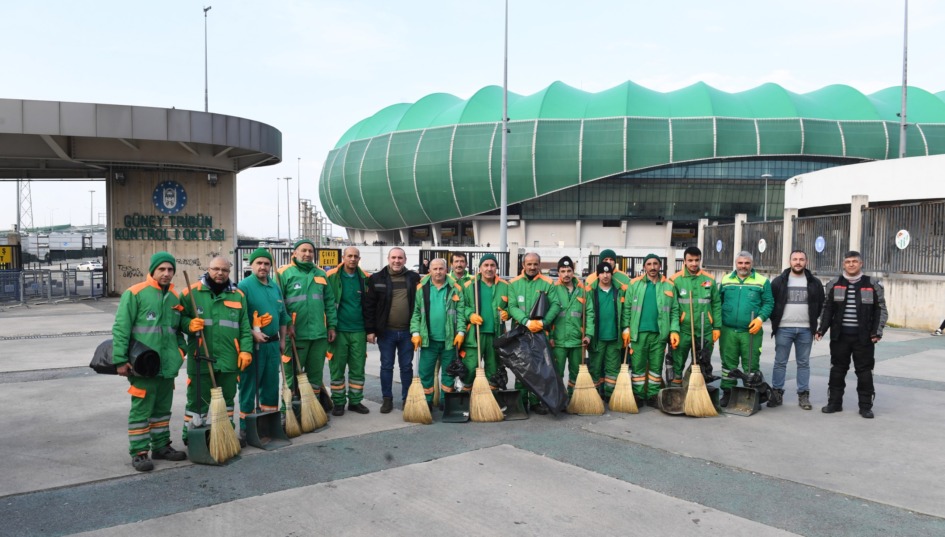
[
  {"x": 91, "y": 205},
  {"x": 504, "y": 181},
  {"x": 278, "y": 214},
  {"x": 288, "y": 210},
  {"x": 766, "y": 176},
  {"x": 298, "y": 197},
  {"x": 206, "y": 94},
  {"x": 905, "y": 86}
]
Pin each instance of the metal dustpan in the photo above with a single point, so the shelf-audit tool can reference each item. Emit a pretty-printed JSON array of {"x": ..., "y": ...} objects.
[
  {"x": 743, "y": 402},
  {"x": 456, "y": 407},
  {"x": 672, "y": 400},
  {"x": 510, "y": 401},
  {"x": 198, "y": 431},
  {"x": 264, "y": 430}
]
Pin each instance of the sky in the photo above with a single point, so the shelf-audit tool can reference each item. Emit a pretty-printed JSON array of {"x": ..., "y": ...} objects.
[{"x": 314, "y": 68}]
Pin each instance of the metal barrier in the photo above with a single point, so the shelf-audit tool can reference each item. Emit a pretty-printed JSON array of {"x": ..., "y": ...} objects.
[
  {"x": 763, "y": 240},
  {"x": 824, "y": 239},
  {"x": 472, "y": 258},
  {"x": 44, "y": 286},
  {"x": 907, "y": 239},
  {"x": 10, "y": 285},
  {"x": 720, "y": 247},
  {"x": 281, "y": 255}
]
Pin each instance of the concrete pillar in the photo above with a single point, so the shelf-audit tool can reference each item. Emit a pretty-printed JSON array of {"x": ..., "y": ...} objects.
[
  {"x": 577, "y": 233},
  {"x": 787, "y": 237},
  {"x": 857, "y": 204},
  {"x": 623, "y": 233},
  {"x": 523, "y": 234},
  {"x": 513, "y": 260},
  {"x": 404, "y": 235},
  {"x": 740, "y": 219},
  {"x": 475, "y": 226},
  {"x": 700, "y": 234},
  {"x": 435, "y": 233},
  {"x": 670, "y": 249}
]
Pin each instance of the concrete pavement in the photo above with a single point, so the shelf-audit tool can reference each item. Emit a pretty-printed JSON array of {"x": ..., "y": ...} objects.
[{"x": 65, "y": 467}]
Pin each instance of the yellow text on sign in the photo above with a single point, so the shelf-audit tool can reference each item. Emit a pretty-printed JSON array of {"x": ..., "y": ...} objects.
[
  {"x": 328, "y": 258},
  {"x": 6, "y": 254}
]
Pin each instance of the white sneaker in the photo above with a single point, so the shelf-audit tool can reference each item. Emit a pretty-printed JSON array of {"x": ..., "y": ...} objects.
[{"x": 937, "y": 332}]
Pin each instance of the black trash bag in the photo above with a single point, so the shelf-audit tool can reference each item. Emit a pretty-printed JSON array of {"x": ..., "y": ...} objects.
[
  {"x": 529, "y": 358},
  {"x": 457, "y": 368},
  {"x": 540, "y": 308},
  {"x": 102, "y": 359},
  {"x": 500, "y": 378},
  {"x": 669, "y": 372}
]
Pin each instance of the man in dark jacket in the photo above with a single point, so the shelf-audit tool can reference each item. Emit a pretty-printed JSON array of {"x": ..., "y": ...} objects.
[
  {"x": 388, "y": 305},
  {"x": 856, "y": 315},
  {"x": 798, "y": 299}
]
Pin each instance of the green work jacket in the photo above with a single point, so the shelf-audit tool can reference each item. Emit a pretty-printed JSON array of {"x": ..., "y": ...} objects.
[
  {"x": 742, "y": 297},
  {"x": 227, "y": 327},
  {"x": 575, "y": 318},
  {"x": 666, "y": 306},
  {"x": 500, "y": 303},
  {"x": 420, "y": 320},
  {"x": 148, "y": 314},
  {"x": 308, "y": 296},
  {"x": 264, "y": 298},
  {"x": 700, "y": 291},
  {"x": 524, "y": 292}
]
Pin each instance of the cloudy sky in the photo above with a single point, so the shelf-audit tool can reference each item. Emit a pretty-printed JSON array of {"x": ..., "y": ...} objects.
[{"x": 314, "y": 68}]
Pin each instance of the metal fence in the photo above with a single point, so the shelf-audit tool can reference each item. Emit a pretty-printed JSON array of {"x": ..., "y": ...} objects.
[
  {"x": 764, "y": 241},
  {"x": 908, "y": 239},
  {"x": 281, "y": 255},
  {"x": 720, "y": 247},
  {"x": 472, "y": 258},
  {"x": 824, "y": 239},
  {"x": 44, "y": 286}
]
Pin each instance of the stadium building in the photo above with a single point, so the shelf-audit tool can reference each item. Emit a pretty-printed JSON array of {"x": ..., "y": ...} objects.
[{"x": 624, "y": 167}]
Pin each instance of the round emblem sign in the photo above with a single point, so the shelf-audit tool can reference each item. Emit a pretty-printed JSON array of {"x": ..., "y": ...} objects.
[
  {"x": 820, "y": 244},
  {"x": 902, "y": 239},
  {"x": 718, "y": 245},
  {"x": 762, "y": 246},
  {"x": 169, "y": 197}
]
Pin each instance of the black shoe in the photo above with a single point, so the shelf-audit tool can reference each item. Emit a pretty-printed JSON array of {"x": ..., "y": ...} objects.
[
  {"x": 539, "y": 409},
  {"x": 866, "y": 413},
  {"x": 169, "y": 454},
  {"x": 242, "y": 438},
  {"x": 338, "y": 411},
  {"x": 358, "y": 407},
  {"x": 653, "y": 402},
  {"x": 387, "y": 405},
  {"x": 776, "y": 398},
  {"x": 726, "y": 395},
  {"x": 142, "y": 462},
  {"x": 831, "y": 408}
]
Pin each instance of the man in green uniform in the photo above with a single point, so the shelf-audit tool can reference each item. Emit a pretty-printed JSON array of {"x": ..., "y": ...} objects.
[
  {"x": 490, "y": 316},
  {"x": 349, "y": 350},
  {"x": 571, "y": 329},
  {"x": 459, "y": 274},
  {"x": 222, "y": 320},
  {"x": 149, "y": 312},
  {"x": 650, "y": 319},
  {"x": 269, "y": 319},
  {"x": 311, "y": 304},
  {"x": 525, "y": 290},
  {"x": 619, "y": 278},
  {"x": 697, "y": 288},
  {"x": 746, "y": 303},
  {"x": 433, "y": 325},
  {"x": 607, "y": 301}
]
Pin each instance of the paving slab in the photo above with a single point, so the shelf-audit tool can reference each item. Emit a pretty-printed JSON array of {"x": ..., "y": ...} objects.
[
  {"x": 925, "y": 365},
  {"x": 494, "y": 491}
]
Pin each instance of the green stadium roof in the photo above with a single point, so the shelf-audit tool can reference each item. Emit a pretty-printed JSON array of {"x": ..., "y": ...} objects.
[{"x": 438, "y": 159}]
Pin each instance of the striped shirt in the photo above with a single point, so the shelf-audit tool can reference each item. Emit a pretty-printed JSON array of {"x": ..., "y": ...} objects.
[{"x": 850, "y": 323}]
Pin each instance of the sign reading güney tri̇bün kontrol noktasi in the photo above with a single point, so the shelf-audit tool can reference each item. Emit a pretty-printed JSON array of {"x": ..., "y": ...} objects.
[{"x": 170, "y": 198}]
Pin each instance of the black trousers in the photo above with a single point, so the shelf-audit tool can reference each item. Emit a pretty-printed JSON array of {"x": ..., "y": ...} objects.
[{"x": 842, "y": 349}]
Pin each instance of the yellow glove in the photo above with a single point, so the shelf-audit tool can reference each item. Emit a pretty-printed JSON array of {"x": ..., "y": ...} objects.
[
  {"x": 626, "y": 337},
  {"x": 286, "y": 358},
  {"x": 458, "y": 341},
  {"x": 244, "y": 360},
  {"x": 196, "y": 325},
  {"x": 673, "y": 340},
  {"x": 716, "y": 334},
  {"x": 535, "y": 325},
  {"x": 503, "y": 315},
  {"x": 416, "y": 340},
  {"x": 475, "y": 319},
  {"x": 754, "y": 326}
]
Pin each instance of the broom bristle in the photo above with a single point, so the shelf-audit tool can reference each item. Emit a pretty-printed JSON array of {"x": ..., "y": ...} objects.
[
  {"x": 482, "y": 404},
  {"x": 416, "y": 409},
  {"x": 224, "y": 444},
  {"x": 698, "y": 403},
  {"x": 308, "y": 404},
  {"x": 292, "y": 429},
  {"x": 436, "y": 385},
  {"x": 585, "y": 400},
  {"x": 622, "y": 399}
]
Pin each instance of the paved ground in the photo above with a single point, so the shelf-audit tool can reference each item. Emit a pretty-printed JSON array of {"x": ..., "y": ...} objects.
[{"x": 65, "y": 467}]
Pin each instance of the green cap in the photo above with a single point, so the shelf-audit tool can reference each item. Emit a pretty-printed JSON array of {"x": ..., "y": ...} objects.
[
  {"x": 608, "y": 253},
  {"x": 259, "y": 252},
  {"x": 488, "y": 257},
  {"x": 302, "y": 241},
  {"x": 652, "y": 256},
  {"x": 161, "y": 257}
]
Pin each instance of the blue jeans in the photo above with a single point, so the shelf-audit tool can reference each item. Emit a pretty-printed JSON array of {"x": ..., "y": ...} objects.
[
  {"x": 802, "y": 339},
  {"x": 396, "y": 341}
]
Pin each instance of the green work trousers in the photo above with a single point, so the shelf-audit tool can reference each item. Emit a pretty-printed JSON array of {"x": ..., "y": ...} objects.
[
  {"x": 261, "y": 381},
  {"x": 150, "y": 415},
  {"x": 682, "y": 352},
  {"x": 609, "y": 354},
  {"x": 471, "y": 361},
  {"x": 312, "y": 355},
  {"x": 572, "y": 356},
  {"x": 349, "y": 351},
  {"x": 199, "y": 404},
  {"x": 434, "y": 352},
  {"x": 736, "y": 348},
  {"x": 646, "y": 364}
]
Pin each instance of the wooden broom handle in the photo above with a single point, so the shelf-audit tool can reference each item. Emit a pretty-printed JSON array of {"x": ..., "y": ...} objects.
[
  {"x": 200, "y": 336},
  {"x": 478, "y": 340}
]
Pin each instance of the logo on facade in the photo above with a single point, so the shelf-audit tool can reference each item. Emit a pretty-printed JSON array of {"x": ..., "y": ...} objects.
[{"x": 169, "y": 197}]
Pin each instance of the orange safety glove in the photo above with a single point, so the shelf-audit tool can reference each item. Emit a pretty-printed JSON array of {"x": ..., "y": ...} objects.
[
  {"x": 503, "y": 315},
  {"x": 416, "y": 340},
  {"x": 286, "y": 358},
  {"x": 458, "y": 340},
  {"x": 244, "y": 360},
  {"x": 260, "y": 321},
  {"x": 196, "y": 325},
  {"x": 475, "y": 319},
  {"x": 535, "y": 325},
  {"x": 716, "y": 334},
  {"x": 754, "y": 326},
  {"x": 673, "y": 340},
  {"x": 626, "y": 337}
]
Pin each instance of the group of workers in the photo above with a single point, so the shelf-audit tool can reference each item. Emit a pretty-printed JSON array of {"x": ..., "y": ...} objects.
[{"x": 246, "y": 332}]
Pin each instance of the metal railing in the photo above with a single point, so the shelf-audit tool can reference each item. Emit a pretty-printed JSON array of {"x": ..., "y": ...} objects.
[
  {"x": 907, "y": 239},
  {"x": 763, "y": 240},
  {"x": 824, "y": 239},
  {"x": 45, "y": 286},
  {"x": 720, "y": 247}
]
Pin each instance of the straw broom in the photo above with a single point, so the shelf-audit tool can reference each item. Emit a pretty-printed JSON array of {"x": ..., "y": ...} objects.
[
  {"x": 585, "y": 400},
  {"x": 416, "y": 409},
  {"x": 622, "y": 399},
  {"x": 292, "y": 428},
  {"x": 698, "y": 403},
  {"x": 224, "y": 444},
  {"x": 482, "y": 404},
  {"x": 436, "y": 385}
]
